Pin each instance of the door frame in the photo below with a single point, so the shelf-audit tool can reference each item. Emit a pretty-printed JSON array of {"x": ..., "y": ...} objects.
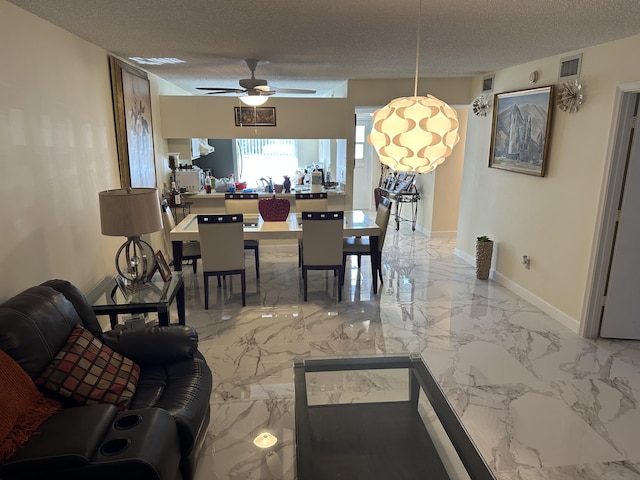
[
  {"x": 364, "y": 116},
  {"x": 615, "y": 165}
]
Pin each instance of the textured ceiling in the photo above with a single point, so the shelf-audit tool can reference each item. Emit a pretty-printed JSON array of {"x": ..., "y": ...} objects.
[{"x": 319, "y": 44}]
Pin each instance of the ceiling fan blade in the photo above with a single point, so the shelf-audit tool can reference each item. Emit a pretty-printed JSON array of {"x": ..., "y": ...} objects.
[
  {"x": 271, "y": 90},
  {"x": 225, "y": 92},
  {"x": 222, "y": 90},
  {"x": 264, "y": 89},
  {"x": 294, "y": 90}
]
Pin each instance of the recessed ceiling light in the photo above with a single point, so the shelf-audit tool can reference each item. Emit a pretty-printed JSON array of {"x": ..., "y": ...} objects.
[{"x": 155, "y": 60}]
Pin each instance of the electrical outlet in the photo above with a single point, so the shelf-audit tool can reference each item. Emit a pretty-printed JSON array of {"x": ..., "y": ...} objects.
[{"x": 526, "y": 261}]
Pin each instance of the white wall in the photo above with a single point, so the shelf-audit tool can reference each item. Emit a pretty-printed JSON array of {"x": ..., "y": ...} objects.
[
  {"x": 551, "y": 219},
  {"x": 440, "y": 190},
  {"x": 57, "y": 150}
]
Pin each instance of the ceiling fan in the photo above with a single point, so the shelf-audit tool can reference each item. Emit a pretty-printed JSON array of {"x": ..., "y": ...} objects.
[{"x": 257, "y": 89}]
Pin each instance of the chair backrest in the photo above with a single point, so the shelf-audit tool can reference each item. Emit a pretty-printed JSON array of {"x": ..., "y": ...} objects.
[
  {"x": 383, "y": 213},
  {"x": 241, "y": 203},
  {"x": 168, "y": 224},
  {"x": 221, "y": 242},
  {"x": 311, "y": 202},
  {"x": 322, "y": 238}
]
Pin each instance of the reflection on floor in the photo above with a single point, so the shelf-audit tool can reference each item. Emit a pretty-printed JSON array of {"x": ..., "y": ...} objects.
[{"x": 539, "y": 401}]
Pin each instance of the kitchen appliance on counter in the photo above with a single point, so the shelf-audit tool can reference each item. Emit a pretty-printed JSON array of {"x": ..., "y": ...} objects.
[{"x": 191, "y": 180}]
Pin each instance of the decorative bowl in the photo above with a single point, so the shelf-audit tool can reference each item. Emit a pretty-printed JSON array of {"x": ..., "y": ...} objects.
[{"x": 274, "y": 209}]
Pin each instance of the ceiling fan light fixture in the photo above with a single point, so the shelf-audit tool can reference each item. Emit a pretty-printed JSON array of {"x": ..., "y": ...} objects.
[
  {"x": 414, "y": 134},
  {"x": 254, "y": 100}
]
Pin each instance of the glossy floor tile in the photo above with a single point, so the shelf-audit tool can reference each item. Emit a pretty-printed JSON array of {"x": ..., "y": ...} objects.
[{"x": 539, "y": 401}]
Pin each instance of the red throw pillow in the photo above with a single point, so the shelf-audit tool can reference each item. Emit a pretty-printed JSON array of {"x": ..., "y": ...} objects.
[{"x": 88, "y": 372}]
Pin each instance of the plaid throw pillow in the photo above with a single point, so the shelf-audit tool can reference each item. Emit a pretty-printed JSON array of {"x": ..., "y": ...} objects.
[{"x": 88, "y": 372}]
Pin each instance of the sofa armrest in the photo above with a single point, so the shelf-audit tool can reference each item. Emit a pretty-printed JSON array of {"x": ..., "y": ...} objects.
[
  {"x": 66, "y": 440},
  {"x": 154, "y": 344}
]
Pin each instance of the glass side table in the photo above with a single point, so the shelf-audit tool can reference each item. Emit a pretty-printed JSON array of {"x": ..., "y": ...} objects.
[{"x": 107, "y": 298}]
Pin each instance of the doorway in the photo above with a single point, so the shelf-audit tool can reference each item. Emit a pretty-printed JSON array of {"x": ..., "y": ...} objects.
[
  {"x": 363, "y": 168},
  {"x": 611, "y": 305}
]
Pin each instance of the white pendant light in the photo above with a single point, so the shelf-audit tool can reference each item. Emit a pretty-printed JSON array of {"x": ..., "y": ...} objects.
[
  {"x": 254, "y": 99},
  {"x": 414, "y": 134}
]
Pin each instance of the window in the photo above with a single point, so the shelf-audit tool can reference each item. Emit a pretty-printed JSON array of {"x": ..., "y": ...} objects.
[
  {"x": 359, "y": 151},
  {"x": 264, "y": 158}
]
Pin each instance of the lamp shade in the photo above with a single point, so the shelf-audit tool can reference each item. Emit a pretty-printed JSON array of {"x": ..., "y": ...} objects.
[
  {"x": 130, "y": 212},
  {"x": 414, "y": 133}
]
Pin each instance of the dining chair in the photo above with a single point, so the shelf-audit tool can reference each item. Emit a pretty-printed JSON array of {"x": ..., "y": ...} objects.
[
  {"x": 190, "y": 250},
  {"x": 245, "y": 203},
  {"x": 222, "y": 249},
  {"x": 322, "y": 245},
  {"x": 360, "y": 246},
  {"x": 310, "y": 202}
]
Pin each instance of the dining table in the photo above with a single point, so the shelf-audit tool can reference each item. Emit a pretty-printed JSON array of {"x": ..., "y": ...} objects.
[{"x": 356, "y": 224}]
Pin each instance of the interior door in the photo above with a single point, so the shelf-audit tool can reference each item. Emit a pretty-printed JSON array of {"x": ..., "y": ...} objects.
[
  {"x": 621, "y": 313},
  {"x": 363, "y": 165}
]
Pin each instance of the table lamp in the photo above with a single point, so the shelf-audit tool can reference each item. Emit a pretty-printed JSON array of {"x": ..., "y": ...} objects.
[{"x": 130, "y": 213}]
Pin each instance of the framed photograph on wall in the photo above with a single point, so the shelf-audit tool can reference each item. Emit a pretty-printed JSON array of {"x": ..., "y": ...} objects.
[
  {"x": 255, "y": 116},
  {"x": 134, "y": 130},
  {"x": 520, "y": 134}
]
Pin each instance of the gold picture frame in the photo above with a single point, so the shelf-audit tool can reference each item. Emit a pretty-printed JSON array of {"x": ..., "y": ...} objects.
[
  {"x": 255, "y": 116},
  {"x": 131, "y": 95},
  {"x": 520, "y": 133}
]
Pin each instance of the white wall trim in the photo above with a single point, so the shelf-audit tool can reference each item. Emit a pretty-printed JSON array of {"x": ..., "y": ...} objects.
[
  {"x": 470, "y": 259},
  {"x": 561, "y": 317},
  {"x": 419, "y": 228}
]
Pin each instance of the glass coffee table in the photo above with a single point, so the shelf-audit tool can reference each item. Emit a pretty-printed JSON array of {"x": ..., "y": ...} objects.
[
  {"x": 381, "y": 417},
  {"x": 107, "y": 298}
]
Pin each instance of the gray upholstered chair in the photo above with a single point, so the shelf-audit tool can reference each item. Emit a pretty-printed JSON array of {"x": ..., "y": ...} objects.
[
  {"x": 359, "y": 246},
  {"x": 222, "y": 249},
  {"x": 190, "y": 250},
  {"x": 322, "y": 245},
  {"x": 309, "y": 202},
  {"x": 245, "y": 203}
]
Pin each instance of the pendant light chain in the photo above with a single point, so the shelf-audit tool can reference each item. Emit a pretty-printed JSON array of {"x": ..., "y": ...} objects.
[
  {"x": 415, "y": 86},
  {"x": 414, "y": 134}
]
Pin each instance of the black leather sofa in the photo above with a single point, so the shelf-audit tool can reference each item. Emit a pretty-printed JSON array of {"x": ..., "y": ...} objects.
[{"x": 161, "y": 433}]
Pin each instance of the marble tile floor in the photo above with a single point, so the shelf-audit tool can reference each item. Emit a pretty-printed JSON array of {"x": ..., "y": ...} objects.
[{"x": 540, "y": 402}]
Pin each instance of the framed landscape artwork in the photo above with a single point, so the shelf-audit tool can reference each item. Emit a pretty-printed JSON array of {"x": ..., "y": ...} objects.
[
  {"x": 134, "y": 130},
  {"x": 255, "y": 116},
  {"x": 520, "y": 134}
]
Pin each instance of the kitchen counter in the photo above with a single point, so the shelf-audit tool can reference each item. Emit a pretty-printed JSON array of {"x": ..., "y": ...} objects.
[{"x": 213, "y": 202}]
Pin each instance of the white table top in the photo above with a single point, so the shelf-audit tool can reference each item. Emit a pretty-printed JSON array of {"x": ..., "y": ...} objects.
[{"x": 356, "y": 223}]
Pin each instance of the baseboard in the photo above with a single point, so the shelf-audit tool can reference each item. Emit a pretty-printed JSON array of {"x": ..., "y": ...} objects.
[
  {"x": 421, "y": 229},
  {"x": 561, "y": 317},
  {"x": 471, "y": 260}
]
